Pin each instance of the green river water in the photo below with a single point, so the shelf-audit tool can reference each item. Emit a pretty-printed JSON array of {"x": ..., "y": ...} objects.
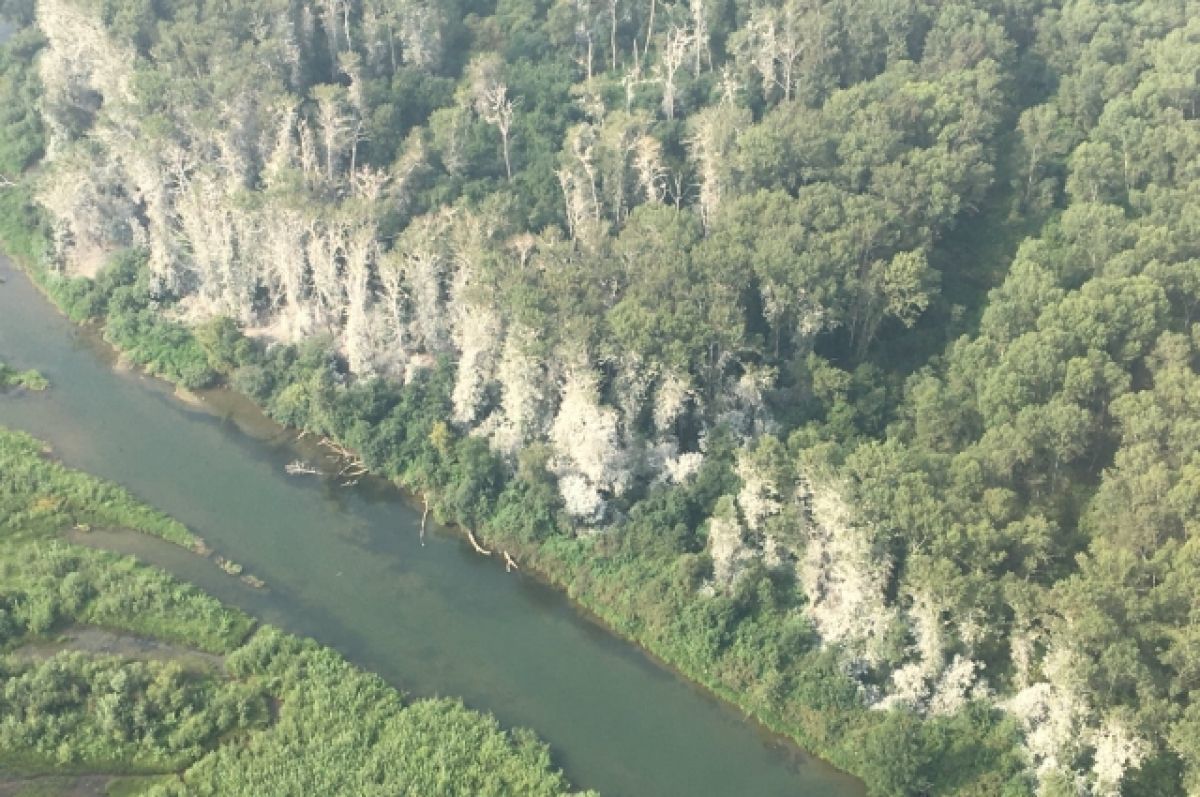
[{"x": 346, "y": 566}]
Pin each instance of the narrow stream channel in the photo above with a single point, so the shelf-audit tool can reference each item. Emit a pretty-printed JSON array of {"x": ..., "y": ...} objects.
[{"x": 345, "y": 566}]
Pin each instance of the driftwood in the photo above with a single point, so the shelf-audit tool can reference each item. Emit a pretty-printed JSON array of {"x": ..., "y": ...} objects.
[
  {"x": 424, "y": 520},
  {"x": 475, "y": 544},
  {"x": 229, "y": 566},
  {"x": 338, "y": 449},
  {"x": 509, "y": 564},
  {"x": 352, "y": 465}
]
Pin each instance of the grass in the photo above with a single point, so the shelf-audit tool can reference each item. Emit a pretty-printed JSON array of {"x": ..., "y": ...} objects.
[{"x": 30, "y": 380}]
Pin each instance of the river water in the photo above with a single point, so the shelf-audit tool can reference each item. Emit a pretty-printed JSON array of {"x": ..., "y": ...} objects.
[{"x": 346, "y": 566}]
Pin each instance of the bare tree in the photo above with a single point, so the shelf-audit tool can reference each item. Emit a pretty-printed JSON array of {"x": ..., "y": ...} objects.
[
  {"x": 675, "y": 48},
  {"x": 492, "y": 103}
]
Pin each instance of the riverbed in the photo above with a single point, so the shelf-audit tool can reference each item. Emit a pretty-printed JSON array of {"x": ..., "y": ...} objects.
[{"x": 347, "y": 566}]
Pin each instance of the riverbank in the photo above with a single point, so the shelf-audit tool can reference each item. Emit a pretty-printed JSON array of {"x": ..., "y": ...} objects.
[
  {"x": 635, "y": 601},
  {"x": 345, "y": 566}
]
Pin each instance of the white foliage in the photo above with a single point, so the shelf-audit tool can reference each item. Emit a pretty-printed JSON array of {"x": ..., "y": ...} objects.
[
  {"x": 426, "y": 264},
  {"x": 477, "y": 337},
  {"x": 631, "y": 388},
  {"x": 649, "y": 168},
  {"x": 209, "y": 227},
  {"x": 959, "y": 685},
  {"x": 1117, "y": 750},
  {"x": 911, "y": 684},
  {"x": 670, "y": 401},
  {"x": 727, "y": 546},
  {"x": 78, "y": 56},
  {"x": 1063, "y": 731},
  {"x": 153, "y": 172},
  {"x": 742, "y": 405},
  {"x": 1053, "y": 719},
  {"x": 682, "y": 468},
  {"x": 361, "y": 253},
  {"x": 580, "y": 497},
  {"x": 325, "y": 247},
  {"x": 759, "y": 497},
  {"x": 90, "y": 213},
  {"x": 523, "y": 398},
  {"x": 845, "y": 575},
  {"x": 420, "y": 33},
  {"x": 714, "y": 132},
  {"x": 586, "y": 437}
]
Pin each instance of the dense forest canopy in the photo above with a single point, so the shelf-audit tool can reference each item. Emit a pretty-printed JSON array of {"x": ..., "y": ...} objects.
[{"x": 843, "y": 351}]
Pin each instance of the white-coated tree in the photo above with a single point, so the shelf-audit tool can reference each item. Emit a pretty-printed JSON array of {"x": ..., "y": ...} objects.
[
  {"x": 680, "y": 469},
  {"x": 761, "y": 496},
  {"x": 337, "y": 125},
  {"x": 726, "y": 544},
  {"x": 579, "y": 179},
  {"x": 1066, "y": 737},
  {"x": 649, "y": 169},
  {"x": 284, "y": 242},
  {"x": 489, "y": 96},
  {"x": 740, "y": 404},
  {"x": 325, "y": 244},
  {"x": 476, "y": 336},
  {"x": 79, "y": 58},
  {"x": 524, "y": 401},
  {"x": 587, "y": 442},
  {"x": 959, "y": 684},
  {"x": 395, "y": 306},
  {"x": 713, "y": 132},
  {"x": 699, "y": 10},
  {"x": 785, "y": 43},
  {"x": 420, "y": 32},
  {"x": 425, "y": 264},
  {"x": 845, "y": 574},
  {"x": 911, "y": 683},
  {"x": 581, "y": 499},
  {"x": 361, "y": 254},
  {"x": 1118, "y": 750},
  {"x": 151, "y": 173},
  {"x": 1054, "y": 715},
  {"x": 284, "y": 153},
  {"x": 672, "y": 53},
  {"x": 671, "y": 399},
  {"x": 90, "y": 213},
  {"x": 226, "y": 281},
  {"x": 310, "y": 159}
]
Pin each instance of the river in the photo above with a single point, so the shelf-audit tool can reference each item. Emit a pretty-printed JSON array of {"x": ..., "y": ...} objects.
[{"x": 346, "y": 567}]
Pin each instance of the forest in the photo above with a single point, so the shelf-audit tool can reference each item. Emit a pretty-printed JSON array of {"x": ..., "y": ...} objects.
[
  {"x": 273, "y": 714},
  {"x": 843, "y": 353}
]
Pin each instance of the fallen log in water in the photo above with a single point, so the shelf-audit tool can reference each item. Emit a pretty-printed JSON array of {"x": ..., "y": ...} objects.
[{"x": 475, "y": 543}]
